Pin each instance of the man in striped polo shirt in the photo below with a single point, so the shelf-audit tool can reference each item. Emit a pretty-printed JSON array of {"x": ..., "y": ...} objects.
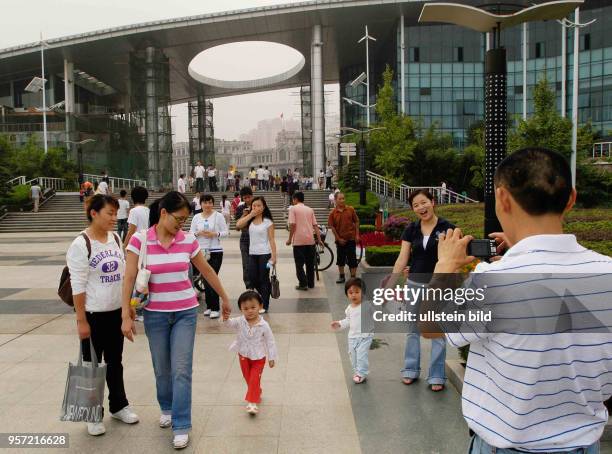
[{"x": 531, "y": 392}]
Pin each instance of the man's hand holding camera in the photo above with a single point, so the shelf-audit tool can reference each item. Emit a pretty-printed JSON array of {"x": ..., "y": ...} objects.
[{"x": 452, "y": 255}]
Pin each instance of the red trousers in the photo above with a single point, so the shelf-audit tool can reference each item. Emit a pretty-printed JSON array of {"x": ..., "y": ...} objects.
[{"x": 251, "y": 371}]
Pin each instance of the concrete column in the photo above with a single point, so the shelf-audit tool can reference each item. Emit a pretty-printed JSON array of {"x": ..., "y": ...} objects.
[
  {"x": 202, "y": 152},
  {"x": 151, "y": 119},
  {"x": 317, "y": 101},
  {"x": 69, "y": 107}
]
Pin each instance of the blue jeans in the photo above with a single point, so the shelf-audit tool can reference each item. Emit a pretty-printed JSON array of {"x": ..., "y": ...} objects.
[
  {"x": 412, "y": 358},
  {"x": 359, "y": 347},
  {"x": 479, "y": 446},
  {"x": 171, "y": 337}
]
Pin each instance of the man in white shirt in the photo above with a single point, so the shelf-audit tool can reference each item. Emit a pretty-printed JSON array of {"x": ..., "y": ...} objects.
[
  {"x": 138, "y": 219},
  {"x": 35, "y": 195},
  {"x": 260, "y": 177},
  {"x": 122, "y": 214},
  {"x": 329, "y": 174},
  {"x": 181, "y": 185},
  {"x": 266, "y": 179},
  {"x": 526, "y": 392},
  {"x": 103, "y": 188},
  {"x": 212, "y": 178},
  {"x": 198, "y": 173}
]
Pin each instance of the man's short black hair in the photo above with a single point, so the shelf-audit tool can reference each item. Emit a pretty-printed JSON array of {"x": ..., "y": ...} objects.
[
  {"x": 139, "y": 194},
  {"x": 299, "y": 196},
  {"x": 123, "y": 193},
  {"x": 540, "y": 180},
  {"x": 245, "y": 190}
]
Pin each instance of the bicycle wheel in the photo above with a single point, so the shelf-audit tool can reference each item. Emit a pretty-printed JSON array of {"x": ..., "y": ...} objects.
[{"x": 325, "y": 257}]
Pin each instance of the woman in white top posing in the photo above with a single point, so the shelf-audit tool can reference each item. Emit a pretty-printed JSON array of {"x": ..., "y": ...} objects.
[
  {"x": 262, "y": 247},
  {"x": 208, "y": 227},
  {"x": 97, "y": 263},
  {"x": 226, "y": 209}
]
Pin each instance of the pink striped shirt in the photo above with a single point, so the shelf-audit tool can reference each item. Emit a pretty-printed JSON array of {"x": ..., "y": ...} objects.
[{"x": 170, "y": 289}]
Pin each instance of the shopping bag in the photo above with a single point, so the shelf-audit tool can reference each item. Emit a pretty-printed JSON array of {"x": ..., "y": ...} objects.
[
  {"x": 84, "y": 394},
  {"x": 274, "y": 284}
]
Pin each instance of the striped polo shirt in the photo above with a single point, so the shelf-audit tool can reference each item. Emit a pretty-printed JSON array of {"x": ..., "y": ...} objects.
[
  {"x": 170, "y": 288},
  {"x": 534, "y": 392}
]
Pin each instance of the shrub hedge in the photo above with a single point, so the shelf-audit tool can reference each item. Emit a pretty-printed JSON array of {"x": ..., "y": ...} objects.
[
  {"x": 367, "y": 228},
  {"x": 382, "y": 255}
]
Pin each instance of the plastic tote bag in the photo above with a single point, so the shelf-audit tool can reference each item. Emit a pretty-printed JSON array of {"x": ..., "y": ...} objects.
[
  {"x": 84, "y": 393},
  {"x": 274, "y": 284}
]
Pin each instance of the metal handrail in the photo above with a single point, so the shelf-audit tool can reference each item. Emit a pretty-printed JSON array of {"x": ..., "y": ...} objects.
[
  {"x": 380, "y": 185},
  {"x": 17, "y": 180},
  {"x": 115, "y": 182},
  {"x": 49, "y": 182}
]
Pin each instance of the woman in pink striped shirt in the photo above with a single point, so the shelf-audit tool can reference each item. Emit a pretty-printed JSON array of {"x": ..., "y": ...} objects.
[{"x": 171, "y": 314}]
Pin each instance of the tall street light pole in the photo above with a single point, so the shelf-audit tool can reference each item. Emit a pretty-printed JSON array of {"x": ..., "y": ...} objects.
[
  {"x": 367, "y": 38},
  {"x": 44, "y": 93},
  {"x": 80, "y": 156}
]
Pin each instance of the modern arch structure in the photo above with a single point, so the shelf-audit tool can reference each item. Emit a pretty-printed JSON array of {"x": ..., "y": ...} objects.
[{"x": 118, "y": 83}]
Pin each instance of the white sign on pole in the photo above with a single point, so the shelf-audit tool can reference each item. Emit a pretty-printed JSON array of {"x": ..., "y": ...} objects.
[
  {"x": 348, "y": 153},
  {"x": 347, "y": 146}
]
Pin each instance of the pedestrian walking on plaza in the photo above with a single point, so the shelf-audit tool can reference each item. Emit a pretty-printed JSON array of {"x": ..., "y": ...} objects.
[
  {"x": 254, "y": 344},
  {"x": 212, "y": 178},
  {"x": 303, "y": 230},
  {"x": 138, "y": 218},
  {"x": 171, "y": 313},
  {"x": 122, "y": 215},
  {"x": 284, "y": 189},
  {"x": 234, "y": 205},
  {"x": 329, "y": 175},
  {"x": 262, "y": 247},
  {"x": 230, "y": 179},
  {"x": 420, "y": 249},
  {"x": 253, "y": 179},
  {"x": 277, "y": 182},
  {"x": 103, "y": 187},
  {"x": 96, "y": 263},
  {"x": 242, "y": 211},
  {"x": 195, "y": 203},
  {"x": 35, "y": 196},
  {"x": 321, "y": 179},
  {"x": 237, "y": 181},
  {"x": 344, "y": 223},
  {"x": 181, "y": 184},
  {"x": 525, "y": 391},
  {"x": 226, "y": 209},
  {"x": 209, "y": 227},
  {"x": 266, "y": 178},
  {"x": 360, "y": 335},
  {"x": 198, "y": 173},
  {"x": 261, "y": 177}
]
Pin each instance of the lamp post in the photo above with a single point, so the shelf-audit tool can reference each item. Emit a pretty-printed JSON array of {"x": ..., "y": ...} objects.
[
  {"x": 576, "y": 25},
  {"x": 80, "y": 156},
  {"x": 361, "y": 154},
  {"x": 495, "y": 72}
]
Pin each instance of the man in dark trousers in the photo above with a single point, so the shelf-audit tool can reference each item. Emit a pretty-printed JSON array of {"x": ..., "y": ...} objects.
[
  {"x": 302, "y": 231},
  {"x": 343, "y": 221},
  {"x": 244, "y": 208}
]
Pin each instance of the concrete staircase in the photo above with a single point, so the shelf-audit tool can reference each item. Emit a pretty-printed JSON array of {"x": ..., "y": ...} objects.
[{"x": 65, "y": 213}]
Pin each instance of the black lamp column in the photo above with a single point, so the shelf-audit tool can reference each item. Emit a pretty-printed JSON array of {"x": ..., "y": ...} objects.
[
  {"x": 495, "y": 125},
  {"x": 362, "y": 171}
]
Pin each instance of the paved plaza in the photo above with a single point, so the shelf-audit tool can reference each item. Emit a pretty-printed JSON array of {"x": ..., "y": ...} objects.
[{"x": 310, "y": 404}]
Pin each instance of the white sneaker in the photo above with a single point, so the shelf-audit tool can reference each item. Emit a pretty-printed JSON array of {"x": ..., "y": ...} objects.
[
  {"x": 180, "y": 441},
  {"x": 95, "y": 428},
  {"x": 126, "y": 415},
  {"x": 165, "y": 421},
  {"x": 262, "y": 311},
  {"x": 252, "y": 408},
  {"x": 207, "y": 312},
  {"x": 214, "y": 314},
  {"x": 139, "y": 318}
]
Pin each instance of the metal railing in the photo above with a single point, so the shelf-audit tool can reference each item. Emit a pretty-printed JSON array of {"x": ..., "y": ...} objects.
[
  {"x": 602, "y": 149},
  {"x": 17, "y": 180},
  {"x": 381, "y": 186},
  {"x": 59, "y": 184},
  {"x": 115, "y": 182}
]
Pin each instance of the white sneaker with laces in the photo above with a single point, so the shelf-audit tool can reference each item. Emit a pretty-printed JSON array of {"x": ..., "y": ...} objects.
[
  {"x": 214, "y": 314},
  {"x": 126, "y": 415},
  {"x": 262, "y": 311},
  {"x": 207, "y": 312},
  {"x": 252, "y": 408},
  {"x": 139, "y": 318},
  {"x": 165, "y": 421},
  {"x": 95, "y": 428},
  {"x": 180, "y": 441}
]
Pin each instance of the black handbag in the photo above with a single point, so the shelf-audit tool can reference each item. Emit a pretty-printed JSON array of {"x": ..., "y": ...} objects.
[{"x": 274, "y": 284}]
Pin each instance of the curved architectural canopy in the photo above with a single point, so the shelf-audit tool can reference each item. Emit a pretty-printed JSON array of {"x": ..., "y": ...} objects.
[{"x": 244, "y": 65}]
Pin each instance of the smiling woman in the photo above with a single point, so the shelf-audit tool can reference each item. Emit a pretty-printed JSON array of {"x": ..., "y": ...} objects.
[{"x": 246, "y": 64}]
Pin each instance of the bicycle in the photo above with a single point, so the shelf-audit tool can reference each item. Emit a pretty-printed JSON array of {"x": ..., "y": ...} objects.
[{"x": 324, "y": 255}]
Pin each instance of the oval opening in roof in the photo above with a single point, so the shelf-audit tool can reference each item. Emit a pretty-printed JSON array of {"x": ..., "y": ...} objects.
[{"x": 246, "y": 64}]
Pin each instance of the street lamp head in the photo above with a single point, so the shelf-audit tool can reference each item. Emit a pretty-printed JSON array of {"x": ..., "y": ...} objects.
[
  {"x": 348, "y": 100},
  {"x": 359, "y": 80},
  {"x": 35, "y": 85}
]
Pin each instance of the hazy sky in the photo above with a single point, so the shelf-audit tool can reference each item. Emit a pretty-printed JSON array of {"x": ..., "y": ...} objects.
[{"x": 55, "y": 18}]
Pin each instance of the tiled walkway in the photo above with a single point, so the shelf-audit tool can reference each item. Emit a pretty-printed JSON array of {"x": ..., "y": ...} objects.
[{"x": 309, "y": 403}]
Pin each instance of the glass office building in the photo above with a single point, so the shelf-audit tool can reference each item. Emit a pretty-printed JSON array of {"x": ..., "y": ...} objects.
[{"x": 442, "y": 79}]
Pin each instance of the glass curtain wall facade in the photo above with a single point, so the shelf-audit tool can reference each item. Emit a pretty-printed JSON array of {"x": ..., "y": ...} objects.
[{"x": 444, "y": 67}]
